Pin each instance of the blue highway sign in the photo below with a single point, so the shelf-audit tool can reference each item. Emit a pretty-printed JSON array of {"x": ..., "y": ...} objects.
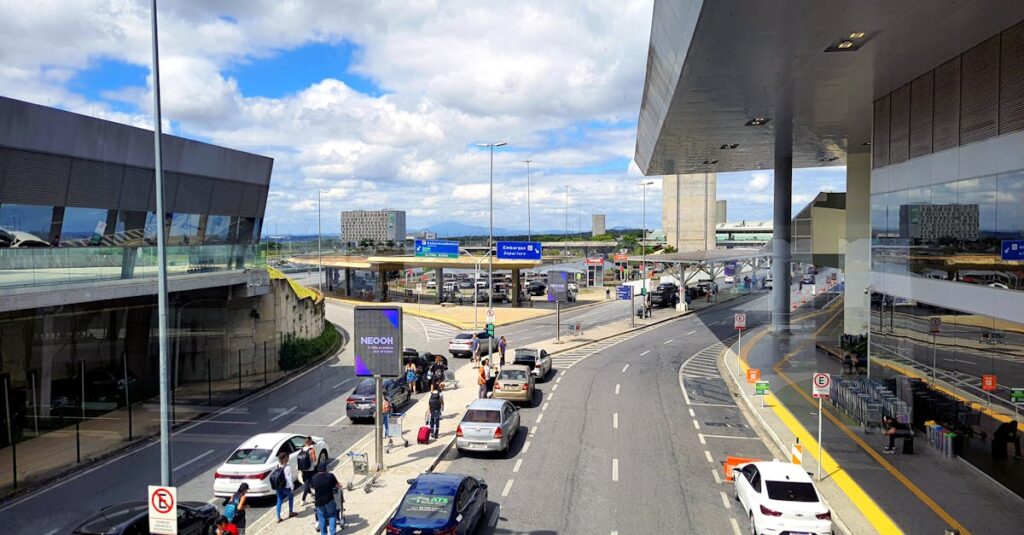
[
  {"x": 624, "y": 292},
  {"x": 1013, "y": 250},
  {"x": 437, "y": 248},
  {"x": 519, "y": 250}
]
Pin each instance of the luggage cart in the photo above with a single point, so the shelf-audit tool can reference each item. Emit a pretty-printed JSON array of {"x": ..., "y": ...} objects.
[
  {"x": 395, "y": 431},
  {"x": 360, "y": 467}
]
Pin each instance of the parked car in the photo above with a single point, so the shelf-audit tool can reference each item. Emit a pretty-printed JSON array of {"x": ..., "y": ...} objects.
[
  {"x": 422, "y": 363},
  {"x": 768, "y": 280},
  {"x": 729, "y": 279},
  {"x": 515, "y": 382},
  {"x": 255, "y": 458},
  {"x": 132, "y": 518},
  {"x": 450, "y": 287},
  {"x": 538, "y": 361},
  {"x": 665, "y": 296},
  {"x": 500, "y": 293},
  {"x": 431, "y": 284},
  {"x": 488, "y": 425},
  {"x": 440, "y": 503},
  {"x": 466, "y": 284},
  {"x": 362, "y": 403},
  {"x": 779, "y": 498},
  {"x": 536, "y": 288},
  {"x": 808, "y": 279},
  {"x": 481, "y": 295},
  {"x": 461, "y": 344}
]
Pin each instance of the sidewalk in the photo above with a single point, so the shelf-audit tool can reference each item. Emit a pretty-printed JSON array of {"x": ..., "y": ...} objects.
[{"x": 867, "y": 490}]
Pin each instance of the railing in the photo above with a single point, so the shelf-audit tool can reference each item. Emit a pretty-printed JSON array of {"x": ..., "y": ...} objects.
[{"x": 64, "y": 265}]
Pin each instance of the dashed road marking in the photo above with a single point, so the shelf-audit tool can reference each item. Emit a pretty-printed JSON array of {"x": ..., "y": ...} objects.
[
  {"x": 689, "y": 333},
  {"x": 540, "y": 417},
  {"x": 526, "y": 446},
  {"x": 700, "y": 436},
  {"x": 192, "y": 460},
  {"x": 735, "y": 526},
  {"x": 515, "y": 469},
  {"x": 615, "y": 469},
  {"x": 346, "y": 381},
  {"x": 725, "y": 500},
  {"x": 617, "y": 389},
  {"x": 692, "y": 414},
  {"x": 696, "y": 425},
  {"x": 645, "y": 352},
  {"x": 336, "y": 422},
  {"x": 667, "y": 342},
  {"x": 545, "y": 407},
  {"x": 718, "y": 478},
  {"x": 508, "y": 487},
  {"x": 284, "y": 413},
  {"x": 730, "y": 437},
  {"x": 708, "y": 455},
  {"x": 624, "y": 368},
  {"x": 615, "y": 420},
  {"x": 553, "y": 388}
]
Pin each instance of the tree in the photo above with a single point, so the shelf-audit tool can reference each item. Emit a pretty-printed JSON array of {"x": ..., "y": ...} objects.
[{"x": 603, "y": 237}]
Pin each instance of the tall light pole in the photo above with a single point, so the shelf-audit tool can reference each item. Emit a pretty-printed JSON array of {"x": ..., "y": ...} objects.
[
  {"x": 643, "y": 264},
  {"x": 566, "y": 220},
  {"x": 490, "y": 230},
  {"x": 529, "y": 228},
  {"x": 161, "y": 245},
  {"x": 319, "y": 249}
]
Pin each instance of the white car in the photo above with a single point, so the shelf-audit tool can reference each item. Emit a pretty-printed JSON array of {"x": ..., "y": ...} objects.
[
  {"x": 780, "y": 497},
  {"x": 729, "y": 279},
  {"x": 253, "y": 461},
  {"x": 431, "y": 284}
]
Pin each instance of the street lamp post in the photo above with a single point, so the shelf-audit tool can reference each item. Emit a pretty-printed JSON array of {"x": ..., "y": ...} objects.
[
  {"x": 490, "y": 230},
  {"x": 567, "y": 221},
  {"x": 319, "y": 249},
  {"x": 529, "y": 227},
  {"x": 643, "y": 262}
]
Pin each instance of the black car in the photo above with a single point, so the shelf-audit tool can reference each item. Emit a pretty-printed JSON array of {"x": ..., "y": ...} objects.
[
  {"x": 422, "y": 363},
  {"x": 536, "y": 288},
  {"x": 362, "y": 404},
  {"x": 441, "y": 503},
  {"x": 665, "y": 296},
  {"x": 132, "y": 518}
]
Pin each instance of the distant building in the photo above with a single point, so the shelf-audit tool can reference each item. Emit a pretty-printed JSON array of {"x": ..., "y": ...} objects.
[
  {"x": 721, "y": 212},
  {"x": 597, "y": 225},
  {"x": 743, "y": 234},
  {"x": 377, "y": 225},
  {"x": 934, "y": 221},
  {"x": 421, "y": 235},
  {"x": 688, "y": 211}
]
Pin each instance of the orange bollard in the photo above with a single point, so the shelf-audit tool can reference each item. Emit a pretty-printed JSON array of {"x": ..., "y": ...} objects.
[{"x": 732, "y": 462}]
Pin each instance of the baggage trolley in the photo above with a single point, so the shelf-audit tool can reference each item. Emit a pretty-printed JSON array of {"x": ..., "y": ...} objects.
[
  {"x": 395, "y": 431},
  {"x": 360, "y": 467}
]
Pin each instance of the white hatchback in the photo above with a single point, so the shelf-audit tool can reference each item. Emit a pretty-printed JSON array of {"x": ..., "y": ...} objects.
[
  {"x": 780, "y": 497},
  {"x": 253, "y": 461}
]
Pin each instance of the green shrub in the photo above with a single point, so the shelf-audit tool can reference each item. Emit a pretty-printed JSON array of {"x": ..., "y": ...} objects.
[{"x": 298, "y": 352}]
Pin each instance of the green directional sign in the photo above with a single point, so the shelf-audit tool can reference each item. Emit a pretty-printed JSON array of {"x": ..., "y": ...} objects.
[
  {"x": 1017, "y": 396},
  {"x": 490, "y": 330},
  {"x": 761, "y": 388}
]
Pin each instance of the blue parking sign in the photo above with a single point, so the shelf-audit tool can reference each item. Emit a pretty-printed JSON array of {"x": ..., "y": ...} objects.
[{"x": 1012, "y": 250}]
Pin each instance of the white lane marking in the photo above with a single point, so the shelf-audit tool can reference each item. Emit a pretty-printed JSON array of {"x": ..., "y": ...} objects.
[
  {"x": 54, "y": 531},
  {"x": 558, "y": 380},
  {"x": 725, "y": 500},
  {"x": 689, "y": 333},
  {"x": 615, "y": 533},
  {"x": 711, "y": 404},
  {"x": 645, "y": 352},
  {"x": 615, "y": 421},
  {"x": 624, "y": 368},
  {"x": 617, "y": 390},
  {"x": 667, "y": 342},
  {"x": 285, "y": 413},
  {"x": 700, "y": 436},
  {"x": 336, "y": 422},
  {"x": 192, "y": 460},
  {"x": 515, "y": 469},
  {"x": 544, "y": 408},
  {"x": 718, "y": 478},
  {"x": 708, "y": 455},
  {"x": 554, "y": 388},
  {"x": 540, "y": 417},
  {"x": 692, "y": 414},
  {"x": 696, "y": 425},
  {"x": 731, "y": 437},
  {"x": 346, "y": 381},
  {"x": 551, "y": 396},
  {"x": 508, "y": 487},
  {"x": 735, "y": 526},
  {"x": 526, "y": 446},
  {"x": 615, "y": 469}
]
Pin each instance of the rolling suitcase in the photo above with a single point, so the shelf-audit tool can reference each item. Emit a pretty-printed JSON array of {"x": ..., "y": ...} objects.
[{"x": 423, "y": 437}]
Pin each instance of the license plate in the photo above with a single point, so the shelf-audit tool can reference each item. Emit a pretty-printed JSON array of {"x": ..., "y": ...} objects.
[
  {"x": 477, "y": 445},
  {"x": 511, "y": 387},
  {"x": 363, "y": 405}
]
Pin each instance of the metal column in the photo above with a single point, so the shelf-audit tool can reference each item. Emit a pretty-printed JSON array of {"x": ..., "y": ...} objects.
[{"x": 781, "y": 231}]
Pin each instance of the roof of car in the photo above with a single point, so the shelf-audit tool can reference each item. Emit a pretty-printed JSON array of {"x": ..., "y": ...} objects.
[
  {"x": 778, "y": 471},
  {"x": 266, "y": 440},
  {"x": 516, "y": 367},
  {"x": 526, "y": 350},
  {"x": 439, "y": 482},
  {"x": 115, "y": 516},
  {"x": 487, "y": 404}
]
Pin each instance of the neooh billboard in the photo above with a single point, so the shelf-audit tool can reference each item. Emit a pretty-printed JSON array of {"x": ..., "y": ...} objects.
[{"x": 378, "y": 341}]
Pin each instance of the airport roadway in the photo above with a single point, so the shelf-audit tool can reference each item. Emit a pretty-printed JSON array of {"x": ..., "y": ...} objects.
[{"x": 612, "y": 444}]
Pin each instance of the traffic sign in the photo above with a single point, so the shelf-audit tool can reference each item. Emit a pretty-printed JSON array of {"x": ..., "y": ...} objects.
[
  {"x": 436, "y": 248},
  {"x": 740, "y": 321},
  {"x": 935, "y": 324},
  {"x": 761, "y": 388},
  {"x": 1017, "y": 396},
  {"x": 519, "y": 250},
  {"x": 489, "y": 317},
  {"x": 988, "y": 383},
  {"x": 163, "y": 510},
  {"x": 1012, "y": 250},
  {"x": 624, "y": 292},
  {"x": 490, "y": 330},
  {"x": 753, "y": 375},
  {"x": 419, "y": 288},
  {"x": 820, "y": 385}
]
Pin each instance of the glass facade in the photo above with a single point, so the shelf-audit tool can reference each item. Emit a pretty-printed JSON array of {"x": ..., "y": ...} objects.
[{"x": 951, "y": 231}]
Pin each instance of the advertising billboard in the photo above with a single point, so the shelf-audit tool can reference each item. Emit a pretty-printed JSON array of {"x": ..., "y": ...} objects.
[
  {"x": 558, "y": 285},
  {"x": 377, "y": 341}
]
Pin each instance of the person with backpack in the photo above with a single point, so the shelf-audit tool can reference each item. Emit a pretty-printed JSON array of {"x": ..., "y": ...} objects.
[
  {"x": 234, "y": 509},
  {"x": 328, "y": 510},
  {"x": 225, "y": 527},
  {"x": 281, "y": 481},
  {"x": 306, "y": 460},
  {"x": 436, "y": 404}
]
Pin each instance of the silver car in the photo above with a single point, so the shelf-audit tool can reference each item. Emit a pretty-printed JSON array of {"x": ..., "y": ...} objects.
[{"x": 489, "y": 425}]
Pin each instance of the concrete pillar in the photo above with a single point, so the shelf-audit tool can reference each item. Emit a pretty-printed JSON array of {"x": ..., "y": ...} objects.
[
  {"x": 439, "y": 279},
  {"x": 382, "y": 281},
  {"x": 689, "y": 211},
  {"x": 856, "y": 311},
  {"x": 516, "y": 285},
  {"x": 348, "y": 282},
  {"x": 781, "y": 222}
]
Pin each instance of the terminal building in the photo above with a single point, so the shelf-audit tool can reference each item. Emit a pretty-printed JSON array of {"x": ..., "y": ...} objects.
[{"x": 378, "y": 226}]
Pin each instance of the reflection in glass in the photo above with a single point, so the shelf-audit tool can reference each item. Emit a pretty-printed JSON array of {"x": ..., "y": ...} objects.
[
  {"x": 184, "y": 229},
  {"x": 218, "y": 229},
  {"x": 83, "y": 227},
  {"x": 25, "y": 225}
]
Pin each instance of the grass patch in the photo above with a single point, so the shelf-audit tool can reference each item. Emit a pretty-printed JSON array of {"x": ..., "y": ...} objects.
[{"x": 298, "y": 352}]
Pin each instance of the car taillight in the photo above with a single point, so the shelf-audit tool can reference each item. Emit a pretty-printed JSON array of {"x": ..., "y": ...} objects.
[
  {"x": 393, "y": 529},
  {"x": 263, "y": 476},
  {"x": 497, "y": 432},
  {"x": 458, "y": 432},
  {"x": 497, "y": 386},
  {"x": 526, "y": 387},
  {"x": 769, "y": 512},
  {"x": 218, "y": 475},
  {"x": 827, "y": 515},
  {"x": 350, "y": 401}
]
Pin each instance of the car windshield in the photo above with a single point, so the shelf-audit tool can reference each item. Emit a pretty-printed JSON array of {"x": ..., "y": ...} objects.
[
  {"x": 791, "y": 491},
  {"x": 463, "y": 336},
  {"x": 512, "y": 375},
  {"x": 366, "y": 389},
  {"x": 427, "y": 506},
  {"x": 249, "y": 456},
  {"x": 480, "y": 416}
]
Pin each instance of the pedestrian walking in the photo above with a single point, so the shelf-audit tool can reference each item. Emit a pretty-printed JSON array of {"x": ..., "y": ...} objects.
[
  {"x": 306, "y": 461},
  {"x": 329, "y": 501},
  {"x": 234, "y": 509},
  {"x": 281, "y": 481},
  {"x": 490, "y": 375},
  {"x": 385, "y": 413},
  {"x": 607, "y": 294},
  {"x": 410, "y": 377},
  {"x": 436, "y": 406},
  {"x": 437, "y": 369},
  {"x": 474, "y": 346},
  {"x": 502, "y": 345},
  {"x": 481, "y": 381}
]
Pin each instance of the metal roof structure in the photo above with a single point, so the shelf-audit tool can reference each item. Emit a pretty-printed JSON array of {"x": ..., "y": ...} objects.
[
  {"x": 394, "y": 263},
  {"x": 703, "y": 257}
]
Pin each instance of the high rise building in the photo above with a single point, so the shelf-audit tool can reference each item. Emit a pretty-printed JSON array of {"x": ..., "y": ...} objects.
[
  {"x": 721, "y": 212},
  {"x": 688, "y": 211},
  {"x": 597, "y": 225},
  {"x": 378, "y": 225}
]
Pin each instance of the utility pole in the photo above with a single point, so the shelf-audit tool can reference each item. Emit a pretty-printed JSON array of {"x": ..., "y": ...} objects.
[
  {"x": 643, "y": 270},
  {"x": 319, "y": 249},
  {"x": 566, "y": 220},
  {"x": 161, "y": 245},
  {"x": 529, "y": 227},
  {"x": 490, "y": 230}
]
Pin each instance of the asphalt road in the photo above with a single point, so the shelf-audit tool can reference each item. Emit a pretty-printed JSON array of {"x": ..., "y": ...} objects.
[
  {"x": 309, "y": 403},
  {"x": 613, "y": 445}
]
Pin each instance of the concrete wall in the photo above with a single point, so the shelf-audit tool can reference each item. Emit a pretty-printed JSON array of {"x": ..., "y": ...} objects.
[{"x": 689, "y": 211}]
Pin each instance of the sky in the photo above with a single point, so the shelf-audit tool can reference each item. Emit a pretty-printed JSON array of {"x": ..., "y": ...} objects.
[{"x": 380, "y": 104}]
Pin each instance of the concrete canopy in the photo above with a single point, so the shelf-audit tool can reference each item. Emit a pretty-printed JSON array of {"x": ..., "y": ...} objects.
[
  {"x": 394, "y": 263},
  {"x": 702, "y": 257},
  {"x": 714, "y": 66}
]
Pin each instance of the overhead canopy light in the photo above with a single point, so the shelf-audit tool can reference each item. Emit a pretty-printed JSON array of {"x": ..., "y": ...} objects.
[
  {"x": 850, "y": 42},
  {"x": 758, "y": 121},
  {"x": 710, "y": 162},
  {"x": 729, "y": 146}
]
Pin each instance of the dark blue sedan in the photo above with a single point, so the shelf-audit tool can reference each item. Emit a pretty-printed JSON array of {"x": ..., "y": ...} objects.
[{"x": 441, "y": 504}]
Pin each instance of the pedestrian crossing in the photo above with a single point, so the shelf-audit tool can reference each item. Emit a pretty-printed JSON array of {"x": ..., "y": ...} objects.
[
  {"x": 435, "y": 330},
  {"x": 704, "y": 364},
  {"x": 700, "y": 380},
  {"x": 569, "y": 358}
]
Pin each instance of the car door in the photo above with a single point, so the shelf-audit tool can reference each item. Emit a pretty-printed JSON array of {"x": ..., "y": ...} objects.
[
  {"x": 547, "y": 362},
  {"x": 286, "y": 447},
  {"x": 485, "y": 342},
  {"x": 472, "y": 505},
  {"x": 742, "y": 484}
]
